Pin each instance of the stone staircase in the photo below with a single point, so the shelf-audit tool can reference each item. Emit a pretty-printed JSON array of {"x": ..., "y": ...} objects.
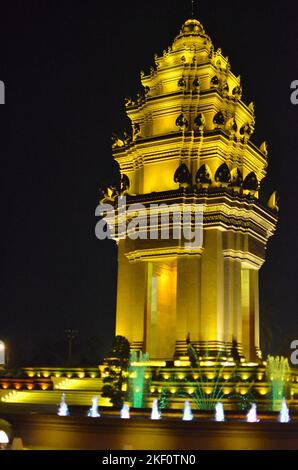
[{"x": 78, "y": 392}]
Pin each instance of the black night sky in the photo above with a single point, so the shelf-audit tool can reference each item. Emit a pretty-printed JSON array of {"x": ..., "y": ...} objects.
[{"x": 67, "y": 66}]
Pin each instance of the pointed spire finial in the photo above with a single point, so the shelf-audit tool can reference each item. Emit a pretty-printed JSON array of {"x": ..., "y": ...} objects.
[{"x": 194, "y": 8}]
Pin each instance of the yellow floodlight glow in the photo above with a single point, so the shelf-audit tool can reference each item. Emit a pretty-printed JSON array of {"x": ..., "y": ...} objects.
[
  {"x": 245, "y": 376},
  {"x": 149, "y": 364},
  {"x": 228, "y": 364},
  {"x": 210, "y": 375},
  {"x": 180, "y": 363},
  {"x": 226, "y": 375},
  {"x": 263, "y": 391}
]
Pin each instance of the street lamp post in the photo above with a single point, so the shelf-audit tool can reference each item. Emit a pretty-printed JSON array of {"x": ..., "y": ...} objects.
[{"x": 70, "y": 335}]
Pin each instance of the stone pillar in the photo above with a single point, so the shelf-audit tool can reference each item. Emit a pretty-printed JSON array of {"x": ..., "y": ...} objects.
[
  {"x": 237, "y": 327},
  {"x": 250, "y": 313},
  {"x": 229, "y": 304},
  {"x": 131, "y": 298},
  {"x": 254, "y": 300},
  {"x": 188, "y": 298},
  {"x": 212, "y": 290},
  {"x": 124, "y": 299},
  {"x": 161, "y": 310},
  {"x": 246, "y": 313}
]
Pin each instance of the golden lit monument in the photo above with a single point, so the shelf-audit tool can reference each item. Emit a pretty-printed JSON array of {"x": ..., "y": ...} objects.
[
  {"x": 191, "y": 144},
  {"x": 190, "y": 306}
]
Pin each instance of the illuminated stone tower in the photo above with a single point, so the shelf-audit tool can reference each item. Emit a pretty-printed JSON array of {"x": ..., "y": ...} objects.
[{"x": 191, "y": 144}]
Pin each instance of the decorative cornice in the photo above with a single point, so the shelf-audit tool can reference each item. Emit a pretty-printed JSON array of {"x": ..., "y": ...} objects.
[
  {"x": 161, "y": 253},
  {"x": 253, "y": 261}
]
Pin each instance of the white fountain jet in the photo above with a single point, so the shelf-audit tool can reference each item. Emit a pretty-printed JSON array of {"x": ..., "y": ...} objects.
[
  {"x": 219, "y": 412},
  {"x": 187, "y": 413},
  {"x": 252, "y": 414},
  {"x": 63, "y": 408},
  {"x": 155, "y": 414},
  {"x": 93, "y": 411},
  {"x": 124, "y": 413},
  {"x": 284, "y": 415}
]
